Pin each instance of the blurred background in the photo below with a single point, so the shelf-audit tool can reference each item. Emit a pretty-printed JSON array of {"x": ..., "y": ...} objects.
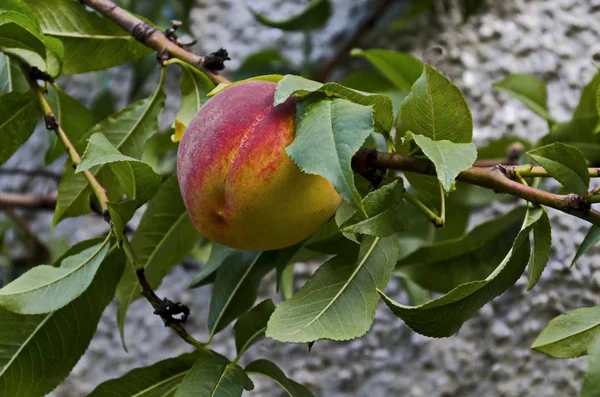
[{"x": 474, "y": 43}]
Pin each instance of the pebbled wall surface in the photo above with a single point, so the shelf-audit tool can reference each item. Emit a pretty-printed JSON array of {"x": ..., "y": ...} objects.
[{"x": 490, "y": 357}]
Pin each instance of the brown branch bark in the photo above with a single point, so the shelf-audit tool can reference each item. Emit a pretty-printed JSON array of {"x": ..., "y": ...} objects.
[
  {"x": 495, "y": 178},
  {"x": 151, "y": 37},
  {"x": 27, "y": 201},
  {"x": 354, "y": 40}
]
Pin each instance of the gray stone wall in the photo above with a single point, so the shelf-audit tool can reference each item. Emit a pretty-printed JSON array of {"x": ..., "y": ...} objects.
[{"x": 555, "y": 39}]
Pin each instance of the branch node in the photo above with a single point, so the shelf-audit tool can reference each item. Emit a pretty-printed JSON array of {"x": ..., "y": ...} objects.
[
  {"x": 216, "y": 60},
  {"x": 577, "y": 203},
  {"x": 50, "y": 121},
  {"x": 106, "y": 216},
  {"x": 168, "y": 311},
  {"x": 142, "y": 31},
  {"x": 37, "y": 74},
  {"x": 365, "y": 164}
]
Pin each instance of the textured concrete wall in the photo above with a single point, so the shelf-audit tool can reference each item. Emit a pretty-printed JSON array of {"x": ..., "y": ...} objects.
[{"x": 555, "y": 39}]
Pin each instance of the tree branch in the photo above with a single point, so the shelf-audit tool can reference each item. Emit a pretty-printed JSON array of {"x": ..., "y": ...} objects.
[
  {"x": 151, "y": 37},
  {"x": 497, "y": 178},
  {"x": 354, "y": 40},
  {"x": 28, "y": 201}
]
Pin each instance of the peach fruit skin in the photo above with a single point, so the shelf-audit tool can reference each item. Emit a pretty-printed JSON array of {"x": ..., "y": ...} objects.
[{"x": 239, "y": 186}]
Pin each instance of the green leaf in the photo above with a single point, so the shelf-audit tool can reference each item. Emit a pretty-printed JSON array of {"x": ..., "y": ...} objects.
[
  {"x": 445, "y": 265},
  {"x": 163, "y": 238},
  {"x": 38, "y": 352},
  {"x": 128, "y": 130},
  {"x": 566, "y": 164},
  {"x": 270, "y": 61},
  {"x": 29, "y": 293},
  {"x": 591, "y": 380},
  {"x": 528, "y": 89},
  {"x": 587, "y": 103},
  {"x": 120, "y": 214},
  {"x": 449, "y": 158},
  {"x": 400, "y": 68},
  {"x": 314, "y": 16},
  {"x": 218, "y": 254},
  {"x": 328, "y": 133},
  {"x": 90, "y": 41},
  {"x": 570, "y": 335},
  {"x": 384, "y": 207},
  {"x": 591, "y": 238},
  {"x": 137, "y": 178},
  {"x": 296, "y": 85},
  {"x": 18, "y": 116},
  {"x": 436, "y": 109},
  {"x": 270, "y": 370},
  {"x": 236, "y": 287},
  {"x": 542, "y": 242},
  {"x": 252, "y": 325},
  {"x": 11, "y": 76},
  {"x": 75, "y": 119},
  {"x": 214, "y": 376},
  {"x": 578, "y": 132},
  {"x": 339, "y": 300},
  {"x": 194, "y": 86},
  {"x": 445, "y": 315},
  {"x": 157, "y": 380}
]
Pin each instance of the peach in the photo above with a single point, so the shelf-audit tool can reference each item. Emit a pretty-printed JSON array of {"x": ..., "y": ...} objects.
[{"x": 239, "y": 186}]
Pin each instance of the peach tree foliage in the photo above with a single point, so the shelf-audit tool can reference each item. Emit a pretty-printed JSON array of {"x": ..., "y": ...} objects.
[{"x": 384, "y": 229}]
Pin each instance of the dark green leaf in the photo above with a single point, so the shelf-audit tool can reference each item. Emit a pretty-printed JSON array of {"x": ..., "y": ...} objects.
[
  {"x": 591, "y": 381},
  {"x": 270, "y": 370},
  {"x": 328, "y": 133},
  {"x": 587, "y": 103},
  {"x": 128, "y": 130},
  {"x": 18, "y": 116},
  {"x": 449, "y": 158},
  {"x": 436, "y": 109},
  {"x": 252, "y": 325},
  {"x": 218, "y": 254},
  {"x": 103, "y": 105},
  {"x": 400, "y": 68},
  {"x": 445, "y": 265},
  {"x": 269, "y": 61},
  {"x": 528, "y": 89},
  {"x": 163, "y": 238},
  {"x": 236, "y": 287},
  {"x": 445, "y": 315},
  {"x": 214, "y": 376},
  {"x": 73, "y": 117},
  {"x": 383, "y": 207},
  {"x": 314, "y": 16},
  {"x": 11, "y": 76},
  {"x": 38, "y": 352},
  {"x": 194, "y": 86},
  {"x": 90, "y": 41},
  {"x": 580, "y": 133},
  {"x": 29, "y": 293},
  {"x": 382, "y": 104},
  {"x": 337, "y": 302},
  {"x": 542, "y": 242},
  {"x": 158, "y": 380},
  {"x": 591, "y": 238},
  {"x": 120, "y": 214},
  {"x": 570, "y": 335},
  {"x": 566, "y": 164}
]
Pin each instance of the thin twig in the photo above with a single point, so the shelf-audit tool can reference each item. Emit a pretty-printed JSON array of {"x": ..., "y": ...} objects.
[
  {"x": 40, "y": 172},
  {"x": 354, "y": 40},
  {"x": 27, "y": 201},
  {"x": 495, "y": 178},
  {"x": 151, "y": 37},
  {"x": 431, "y": 216}
]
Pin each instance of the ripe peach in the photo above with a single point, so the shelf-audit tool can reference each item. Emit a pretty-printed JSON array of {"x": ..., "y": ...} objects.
[{"x": 239, "y": 186}]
